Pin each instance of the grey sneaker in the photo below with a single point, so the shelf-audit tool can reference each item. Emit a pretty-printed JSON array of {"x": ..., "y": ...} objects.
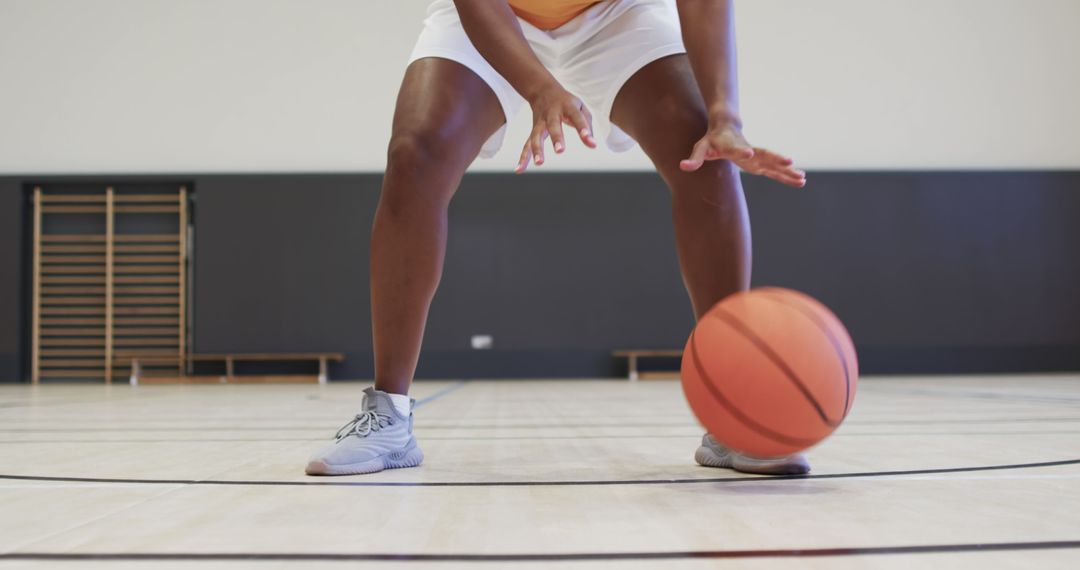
[
  {"x": 712, "y": 454},
  {"x": 377, "y": 438}
]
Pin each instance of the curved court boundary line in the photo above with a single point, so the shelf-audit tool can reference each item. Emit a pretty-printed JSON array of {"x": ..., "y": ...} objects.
[
  {"x": 586, "y": 483},
  {"x": 571, "y": 557}
]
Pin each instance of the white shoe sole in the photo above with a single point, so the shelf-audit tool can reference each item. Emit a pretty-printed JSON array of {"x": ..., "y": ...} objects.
[
  {"x": 410, "y": 458},
  {"x": 709, "y": 458},
  {"x": 795, "y": 465}
]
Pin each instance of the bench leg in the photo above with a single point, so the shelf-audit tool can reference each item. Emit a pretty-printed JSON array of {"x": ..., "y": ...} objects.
[
  {"x": 136, "y": 369},
  {"x": 632, "y": 365},
  {"x": 322, "y": 370},
  {"x": 228, "y": 369}
]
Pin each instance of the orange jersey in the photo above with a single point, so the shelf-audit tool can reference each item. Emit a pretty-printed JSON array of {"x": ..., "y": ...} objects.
[{"x": 549, "y": 14}]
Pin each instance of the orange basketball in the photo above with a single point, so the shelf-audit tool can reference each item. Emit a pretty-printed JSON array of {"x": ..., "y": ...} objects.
[{"x": 770, "y": 372}]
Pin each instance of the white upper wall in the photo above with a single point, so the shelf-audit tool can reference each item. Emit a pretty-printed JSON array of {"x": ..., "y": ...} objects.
[{"x": 309, "y": 85}]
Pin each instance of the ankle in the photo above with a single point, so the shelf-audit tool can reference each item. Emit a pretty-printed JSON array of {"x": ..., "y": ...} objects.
[{"x": 402, "y": 403}]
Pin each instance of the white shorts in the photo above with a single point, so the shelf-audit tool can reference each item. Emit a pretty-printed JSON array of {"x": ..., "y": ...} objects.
[{"x": 592, "y": 56}]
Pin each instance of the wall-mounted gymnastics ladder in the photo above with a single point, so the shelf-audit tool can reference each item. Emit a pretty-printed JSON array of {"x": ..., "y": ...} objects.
[{"x": 110, "y": 282}]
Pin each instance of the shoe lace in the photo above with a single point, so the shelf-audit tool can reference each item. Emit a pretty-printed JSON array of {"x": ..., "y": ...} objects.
[{"x": 363, "y": 424}]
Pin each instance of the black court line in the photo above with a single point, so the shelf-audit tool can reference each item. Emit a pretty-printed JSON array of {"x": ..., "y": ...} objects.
[
  {"x": 581, "y": 483},
  {"x": 552, "y": 557},
  {"x": 35, "y": 404},
  {"x": 628, "y": 425},
  {"x": 694, "y": 435},
  {"x": 1019, "y": 398}
]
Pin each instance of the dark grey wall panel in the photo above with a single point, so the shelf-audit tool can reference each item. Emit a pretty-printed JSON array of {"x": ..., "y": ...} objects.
[
  {"x": 12, "y": 274},
  {"x": 559, "y": 269},
  {"x": 553, "y": 262},
  {"x": 281, "y": 264},
  {"x": 931, "y": 259},
  {"x": 932, "y": 272}
]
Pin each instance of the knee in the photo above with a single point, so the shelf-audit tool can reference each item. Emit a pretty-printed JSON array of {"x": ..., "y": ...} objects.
[
  {"x": 413, "y": 152},
  {"x": 686, "y": 125},
  {"x": 716, "y": 185},
  {"x": 409, "y": 151},
  {"x": 676, "y": 126},
  {"x": 418, "y": 174},
  {"x": 683, "y": 115}
]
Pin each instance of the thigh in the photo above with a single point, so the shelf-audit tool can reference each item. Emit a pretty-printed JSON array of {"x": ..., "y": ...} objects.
[
  {"x": 607, "y": 45},
  {"x": 444, "y": 110},
  {"x": 661, "y": 108}
]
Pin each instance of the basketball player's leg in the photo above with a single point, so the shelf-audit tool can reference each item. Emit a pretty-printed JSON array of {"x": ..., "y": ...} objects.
[
  {"x": 444, "y": 114},
  {"x": 661, "y": 108}
]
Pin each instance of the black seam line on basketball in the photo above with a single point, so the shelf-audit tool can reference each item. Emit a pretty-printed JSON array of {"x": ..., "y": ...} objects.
[
  {"x": 773, "y": 357},
  {"x": 765, "y": 294},
  {"x": 554, "y": 557},
  {"x": 761, "y": 479},
  {"x": 735, "y": 411}
]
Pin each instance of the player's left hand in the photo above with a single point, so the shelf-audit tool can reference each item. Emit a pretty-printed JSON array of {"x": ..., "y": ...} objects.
[{"x": 726, "y": 142}]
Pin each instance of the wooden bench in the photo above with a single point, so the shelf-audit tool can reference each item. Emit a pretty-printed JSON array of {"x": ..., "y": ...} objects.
[
  {"x": 633, "y": 356},
  {"x": 230, "y": 360}
]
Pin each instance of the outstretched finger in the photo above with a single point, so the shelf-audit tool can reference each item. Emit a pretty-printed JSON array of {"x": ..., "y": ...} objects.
[
  {"x": 780, "y": 166},
  {"x": 697, "y": 156},
  {"x": 785, "y": 178},
  {"x": 523, "y": 161},
  {"x": 774, "y": 157},
  {"x": 582, "y": 121},
  {"x": 784, "y": 174},
  {"x": 555, "y": 129},
  {"x": 536, "y": 142}
]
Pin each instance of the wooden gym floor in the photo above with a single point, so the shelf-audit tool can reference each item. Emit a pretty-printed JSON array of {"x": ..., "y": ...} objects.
[{"x": 927, "y": 472}]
